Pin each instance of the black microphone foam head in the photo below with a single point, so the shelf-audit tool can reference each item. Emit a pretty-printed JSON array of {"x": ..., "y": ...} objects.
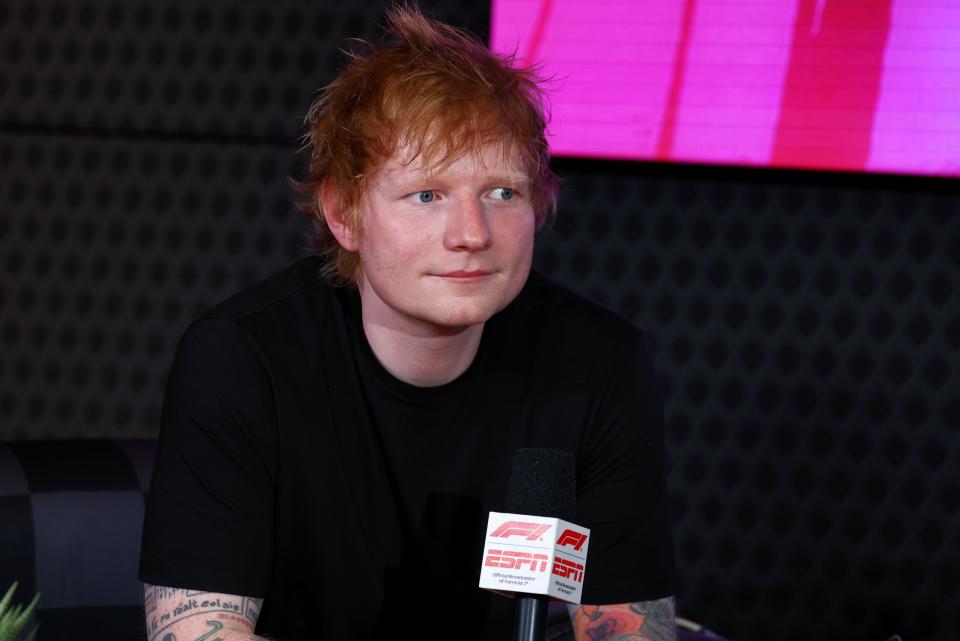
[{"x": 543, "y": 483}]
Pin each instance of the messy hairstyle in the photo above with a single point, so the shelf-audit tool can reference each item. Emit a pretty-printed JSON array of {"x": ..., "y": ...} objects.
[{"x": 433, "y": 88}]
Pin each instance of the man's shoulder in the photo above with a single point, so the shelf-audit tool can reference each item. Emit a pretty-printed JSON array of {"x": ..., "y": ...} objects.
[
  {"x": 561, "y": 315},
  {"x": 286, "y": 313},
  {"x": 299, "y": 277}
]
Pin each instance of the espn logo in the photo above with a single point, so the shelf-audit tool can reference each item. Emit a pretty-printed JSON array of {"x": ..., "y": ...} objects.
[
  {"x": 572, "y": 538},
  {"x": 516, "y": 560},
  {"x": 532, "y": 531},
  {"x": 568, "y": 570}
]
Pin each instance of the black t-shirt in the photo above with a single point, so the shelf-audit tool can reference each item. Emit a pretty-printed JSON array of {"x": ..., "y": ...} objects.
[{"x": 292, "y": 466}]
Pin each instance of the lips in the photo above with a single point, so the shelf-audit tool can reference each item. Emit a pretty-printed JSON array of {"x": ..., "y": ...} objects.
[{"x": 465, "y": 274}]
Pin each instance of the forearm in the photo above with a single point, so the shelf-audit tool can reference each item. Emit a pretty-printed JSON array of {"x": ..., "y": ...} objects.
[
  {"x": 203, "y": 628},
  {"x": 175, "y": 614},
  {"x": 220, "y": 635},
  {"x": 640, "y": 621}
]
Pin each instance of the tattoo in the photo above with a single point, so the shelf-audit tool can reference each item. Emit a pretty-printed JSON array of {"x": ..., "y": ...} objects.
[
  {"x": 232, "y": 617},
  {"x": 660, "y": 619},
  {"x": 217, "y": 626},
  {"x": 165, "y": 607},
  {"x": 150, "y": 599},
  {"x": 641, "y": 621},
  {"x": 251, "y": 610}
]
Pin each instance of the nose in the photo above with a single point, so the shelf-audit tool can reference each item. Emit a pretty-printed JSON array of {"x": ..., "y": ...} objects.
[{"x": 467, "y": 227}]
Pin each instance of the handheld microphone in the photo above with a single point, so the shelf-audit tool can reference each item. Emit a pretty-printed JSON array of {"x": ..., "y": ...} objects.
[{"x": 536, "y": 534}]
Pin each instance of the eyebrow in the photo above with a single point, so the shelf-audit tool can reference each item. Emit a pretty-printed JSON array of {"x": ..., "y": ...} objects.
[
  {"x": 518, "y": 177},
  {"x": 513, "y": 178}
]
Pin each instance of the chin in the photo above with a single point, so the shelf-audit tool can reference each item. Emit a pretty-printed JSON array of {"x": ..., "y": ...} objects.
[
  {"x": 465, "y": 315},
  {"x": 462, "y": 320}
]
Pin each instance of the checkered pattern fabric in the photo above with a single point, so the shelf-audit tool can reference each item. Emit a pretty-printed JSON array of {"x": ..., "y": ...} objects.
[{"x": 71, "y": 513}]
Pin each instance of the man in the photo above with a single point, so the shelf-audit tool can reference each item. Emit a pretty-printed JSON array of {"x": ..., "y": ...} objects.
[{"x": 328, "y": 455}]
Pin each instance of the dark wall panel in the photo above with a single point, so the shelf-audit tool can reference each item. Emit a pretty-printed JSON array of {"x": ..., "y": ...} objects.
[
  {"x": 109, "y": 247},
  {"x": 807, "y": 329},
  {"x": 806, "y": 326},
  {"x": 217, "y": 69}
]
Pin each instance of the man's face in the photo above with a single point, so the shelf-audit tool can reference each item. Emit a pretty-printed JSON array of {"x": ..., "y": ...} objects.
[{"x": 444, "y": 250}]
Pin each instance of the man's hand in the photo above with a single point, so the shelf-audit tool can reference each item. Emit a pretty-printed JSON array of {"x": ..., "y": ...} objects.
[
  {"x": 175, "y": 614},
  {"x": 641, "y": 621}
]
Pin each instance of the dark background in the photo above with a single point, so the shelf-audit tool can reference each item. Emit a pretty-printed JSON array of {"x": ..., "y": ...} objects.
[{"x": 806, "y": 326}]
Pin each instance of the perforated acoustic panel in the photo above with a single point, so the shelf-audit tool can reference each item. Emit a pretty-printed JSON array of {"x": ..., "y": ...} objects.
[
  {"x": 807, "y": 336},
  {"x": 219, "y": 69},
  {"x": 146, "y": 149},
  {"x": 109, "y": 249},
  {"x": 806, "y": 329}
]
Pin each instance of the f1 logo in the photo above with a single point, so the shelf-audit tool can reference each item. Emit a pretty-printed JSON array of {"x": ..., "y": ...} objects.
[
  {"x": 569, "y": 537},
  {"x": 532, "y": 531}
]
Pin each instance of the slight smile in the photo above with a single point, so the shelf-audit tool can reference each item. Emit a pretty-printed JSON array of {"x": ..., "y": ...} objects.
[{"x": 465, "y": 275}]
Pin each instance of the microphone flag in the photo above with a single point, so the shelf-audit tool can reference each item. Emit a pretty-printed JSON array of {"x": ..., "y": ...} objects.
[{"x": 534, "y": 555}]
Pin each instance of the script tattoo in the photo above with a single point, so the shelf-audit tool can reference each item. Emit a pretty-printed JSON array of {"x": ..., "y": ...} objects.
[
  {"x": 641, "y": 621},
  {"x": 165, "y": 607}
]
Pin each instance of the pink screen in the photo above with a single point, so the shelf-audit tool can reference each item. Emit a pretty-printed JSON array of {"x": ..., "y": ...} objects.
[{"x": 864, "y": 85}]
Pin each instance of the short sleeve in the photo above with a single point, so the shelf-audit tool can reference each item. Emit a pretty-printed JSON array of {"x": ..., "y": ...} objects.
[
  {"x": 622, "y": 491},
  {"x": 209, "y": 518}
]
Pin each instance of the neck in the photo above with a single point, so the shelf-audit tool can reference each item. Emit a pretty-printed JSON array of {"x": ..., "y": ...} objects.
[
  {"x": 423, "y": 359},
  {"x": 419, "y": 353}
]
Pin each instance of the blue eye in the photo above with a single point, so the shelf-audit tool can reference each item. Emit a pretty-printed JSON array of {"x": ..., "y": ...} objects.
[
  {"x": 423, "y": 197},
  {"x": 505, "y": 193}
]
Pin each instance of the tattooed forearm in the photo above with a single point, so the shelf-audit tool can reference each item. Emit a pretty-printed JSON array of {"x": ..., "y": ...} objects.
[
  {"x": 216, "y": 627},
  {"x": 660, "y": 618},
  {"x": 641, "y": 621},
  {"x": 167, "y": 607}
]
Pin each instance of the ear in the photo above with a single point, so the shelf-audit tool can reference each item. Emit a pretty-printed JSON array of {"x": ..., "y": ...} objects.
[{"x": 336, "y": 218}]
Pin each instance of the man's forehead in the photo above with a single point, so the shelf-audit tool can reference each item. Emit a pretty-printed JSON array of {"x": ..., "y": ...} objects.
[{"x": 499, "y": 159}]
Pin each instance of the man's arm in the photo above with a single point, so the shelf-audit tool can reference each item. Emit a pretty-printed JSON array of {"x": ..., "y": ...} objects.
[
  {"x": 175, "y": 614},
  {"x": 640, "y": 621}
]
